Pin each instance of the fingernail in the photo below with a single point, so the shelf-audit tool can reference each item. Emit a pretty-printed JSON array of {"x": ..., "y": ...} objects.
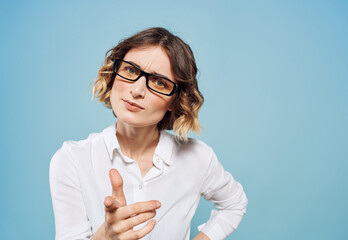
[
  {"x": 108, "y": 202},
  {"x": 158, "y": 204}
]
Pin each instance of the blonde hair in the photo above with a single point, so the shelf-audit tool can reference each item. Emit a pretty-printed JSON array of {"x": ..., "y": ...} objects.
[{"x": 187, "y": 101}]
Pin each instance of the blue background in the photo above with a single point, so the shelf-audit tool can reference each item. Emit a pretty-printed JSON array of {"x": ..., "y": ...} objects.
[{"x": 273, "y": 74}]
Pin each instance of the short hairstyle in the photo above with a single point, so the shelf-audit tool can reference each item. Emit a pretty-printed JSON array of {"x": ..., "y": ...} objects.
[{"x": 187, "y": 101}]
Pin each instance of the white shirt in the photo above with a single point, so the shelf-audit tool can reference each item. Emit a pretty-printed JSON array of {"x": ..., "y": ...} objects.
[{"x": 181, "y": 175}]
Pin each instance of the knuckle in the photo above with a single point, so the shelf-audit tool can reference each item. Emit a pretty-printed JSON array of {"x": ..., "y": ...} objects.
[
  {"x": 136, "y": 235},
  {"x": 136, "y": 208},
  {"x": 116, "y": 229},
  {"x": 142, "y": 218}
]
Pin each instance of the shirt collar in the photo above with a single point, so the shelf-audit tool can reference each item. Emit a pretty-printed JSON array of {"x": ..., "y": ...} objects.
[
  {"x": 163, "y": 150},
  {"x": 110, "y": 140}
]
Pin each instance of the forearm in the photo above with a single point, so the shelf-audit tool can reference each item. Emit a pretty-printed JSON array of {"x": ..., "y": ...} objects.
[
  {"x": 100, "y": 233},
  {"x": 201, "y": 236}
]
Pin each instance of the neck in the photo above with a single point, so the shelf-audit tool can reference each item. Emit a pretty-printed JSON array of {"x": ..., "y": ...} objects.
[{"x": 136, "y": 142}]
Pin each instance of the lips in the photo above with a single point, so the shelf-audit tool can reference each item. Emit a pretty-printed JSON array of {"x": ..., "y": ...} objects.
[{"x": 133, "y": 104}]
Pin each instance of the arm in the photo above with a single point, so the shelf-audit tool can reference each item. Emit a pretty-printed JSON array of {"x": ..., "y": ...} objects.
[
  {"x": 228, "y": 197},
  {"x": 71, "y": 221}
]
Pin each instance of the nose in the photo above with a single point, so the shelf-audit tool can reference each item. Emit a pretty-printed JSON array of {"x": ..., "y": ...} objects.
[{"x": 138, "y": 88}]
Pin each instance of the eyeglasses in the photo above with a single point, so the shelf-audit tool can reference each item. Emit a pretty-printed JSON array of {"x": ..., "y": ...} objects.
[{"x": 154, "y": 82}]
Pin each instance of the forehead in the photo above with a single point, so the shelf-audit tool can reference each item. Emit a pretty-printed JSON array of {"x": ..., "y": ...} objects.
[{"x": 153, "y": 59}]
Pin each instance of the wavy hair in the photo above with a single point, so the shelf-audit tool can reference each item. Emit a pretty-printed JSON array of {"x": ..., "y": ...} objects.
[{"x": 187, "y": 101}]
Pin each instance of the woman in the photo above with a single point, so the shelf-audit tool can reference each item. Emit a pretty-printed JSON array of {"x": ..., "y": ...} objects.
[{"x": 155, "y": 179}]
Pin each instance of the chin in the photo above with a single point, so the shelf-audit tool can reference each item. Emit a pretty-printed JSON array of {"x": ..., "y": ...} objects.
[{"x": 135, "y": 121}]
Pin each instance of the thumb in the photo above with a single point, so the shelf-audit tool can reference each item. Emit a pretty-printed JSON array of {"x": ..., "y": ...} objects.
[
  {"x": 117, "y": 187},
  {"x": 111, "y": 204}
]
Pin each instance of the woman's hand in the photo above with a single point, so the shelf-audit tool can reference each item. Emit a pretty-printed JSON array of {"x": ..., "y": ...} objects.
[{"x": 120, "y": 218}]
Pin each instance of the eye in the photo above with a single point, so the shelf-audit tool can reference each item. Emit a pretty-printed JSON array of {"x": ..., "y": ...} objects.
[
  {"x": 160, "y": 82},
  {"x": 131, "y": 70}
]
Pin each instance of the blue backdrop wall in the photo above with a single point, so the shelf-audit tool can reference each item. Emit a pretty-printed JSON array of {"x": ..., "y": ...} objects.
[{"x": 274, "y": 77}]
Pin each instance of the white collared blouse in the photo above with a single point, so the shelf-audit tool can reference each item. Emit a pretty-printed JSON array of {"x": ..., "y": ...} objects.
[{"x": 181, "y": 175}]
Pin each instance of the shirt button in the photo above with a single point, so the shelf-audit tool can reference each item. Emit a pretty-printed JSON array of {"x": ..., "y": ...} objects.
[{"x": 140, "y": 186}]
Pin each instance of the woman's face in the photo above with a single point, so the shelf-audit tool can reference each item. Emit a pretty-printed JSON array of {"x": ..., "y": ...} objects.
[{"x": 124, "y": 94}]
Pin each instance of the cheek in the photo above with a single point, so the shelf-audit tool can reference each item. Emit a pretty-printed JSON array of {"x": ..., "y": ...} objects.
[
  {"x": 119, "y": 86},
  {"x": 161, "y": 105},
  {"x": 114, "y": 94}
]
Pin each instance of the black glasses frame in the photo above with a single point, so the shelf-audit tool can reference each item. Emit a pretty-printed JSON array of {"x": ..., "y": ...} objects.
[{"x": 143, "y": 73}]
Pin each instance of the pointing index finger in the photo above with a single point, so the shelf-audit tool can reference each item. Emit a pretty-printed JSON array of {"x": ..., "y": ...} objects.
[{"x": 117, "y": 187}]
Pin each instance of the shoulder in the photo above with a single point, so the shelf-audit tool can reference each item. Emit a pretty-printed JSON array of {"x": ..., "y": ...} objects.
[
  {"x": 194, "y": 144},
  {"x": 73, "y": 146},
  {"x": 195, "y": 148},
  {"x": 71, "y": 149}
]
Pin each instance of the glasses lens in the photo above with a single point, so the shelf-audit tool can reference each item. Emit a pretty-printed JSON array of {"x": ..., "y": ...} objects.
[
  {"x": 161, "y": 85},
  {"x": 128, "y": 71}
]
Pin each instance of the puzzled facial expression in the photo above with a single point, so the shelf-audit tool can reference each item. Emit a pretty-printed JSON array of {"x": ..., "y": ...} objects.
[{"x": 132, "y": 102}]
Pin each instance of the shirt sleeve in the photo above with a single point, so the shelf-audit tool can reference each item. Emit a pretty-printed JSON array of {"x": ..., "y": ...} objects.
[
  {"x": 71, "y": 221},
  {"x": 228, "y": 197}
]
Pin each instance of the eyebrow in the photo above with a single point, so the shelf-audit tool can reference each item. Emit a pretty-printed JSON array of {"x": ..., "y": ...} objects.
[{"x": 162, "y": 75}]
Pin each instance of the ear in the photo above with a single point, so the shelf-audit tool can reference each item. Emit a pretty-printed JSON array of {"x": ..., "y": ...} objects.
[{"x": 171, "y": 106}]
